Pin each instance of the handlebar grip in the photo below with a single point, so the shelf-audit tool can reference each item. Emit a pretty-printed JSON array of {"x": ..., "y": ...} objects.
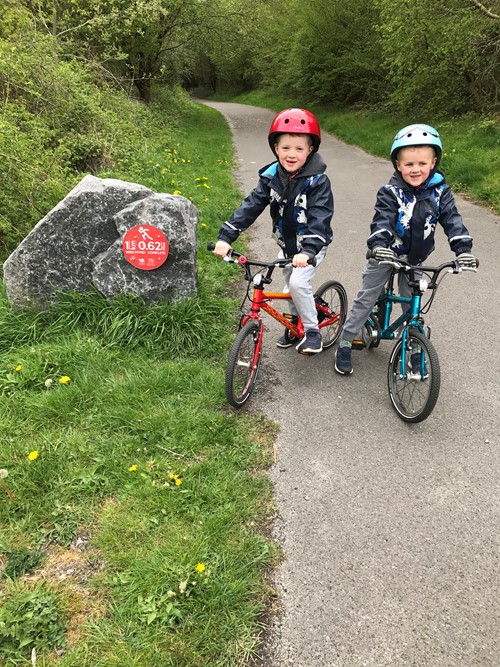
[
  {"x": 369, "y": 253},
  {"x": 312, "y": 261},
  {"x": 210, "y": 246}
]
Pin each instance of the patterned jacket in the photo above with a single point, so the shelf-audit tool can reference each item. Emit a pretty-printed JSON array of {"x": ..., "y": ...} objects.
[
  {"x": 405, "y": 218},
  {"x": 301, "y": 208}
]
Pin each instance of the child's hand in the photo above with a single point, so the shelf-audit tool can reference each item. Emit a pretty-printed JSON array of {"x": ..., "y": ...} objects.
[
  {"x": 221, "y": 248},
  {"x": 381, "y": 254},
  {"x": 300, "y": 260},
  {"x": 467, "y": 261}
]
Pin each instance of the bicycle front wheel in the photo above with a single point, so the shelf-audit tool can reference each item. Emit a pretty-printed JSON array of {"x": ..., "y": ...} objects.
[
  {"x": 331, "y": 305},
  {"x": 414, "y": 385},
  {"x": 244, "y": 363}
]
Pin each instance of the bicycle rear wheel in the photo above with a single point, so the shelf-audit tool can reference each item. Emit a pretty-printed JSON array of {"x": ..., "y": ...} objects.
[
  {"x": 243, "y": 363},
  {"x": 331, "y": 304},
  {"x": 414, "y": 395}
]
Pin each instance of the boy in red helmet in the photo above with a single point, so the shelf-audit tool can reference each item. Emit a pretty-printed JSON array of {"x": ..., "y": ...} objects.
[{"x": 300, "y": 198}]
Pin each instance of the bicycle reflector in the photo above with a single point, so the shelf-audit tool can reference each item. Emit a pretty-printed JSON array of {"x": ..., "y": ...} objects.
[
  {"x": 258, "y": 279},
  {"x": 423, "y": 284}
]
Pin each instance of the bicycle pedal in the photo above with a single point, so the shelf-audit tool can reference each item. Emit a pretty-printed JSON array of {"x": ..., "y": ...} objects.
[{"x": 358, "y": 344}]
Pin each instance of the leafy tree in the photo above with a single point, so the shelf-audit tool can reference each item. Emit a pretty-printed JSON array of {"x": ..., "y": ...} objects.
[
  {"x": 226, "y": 54},
  {"x": 338, "y": 54},
  {"x": 138, "y": 42},
  {"x": 56, "y": 125},
  {"x": 441, "y": 55}
]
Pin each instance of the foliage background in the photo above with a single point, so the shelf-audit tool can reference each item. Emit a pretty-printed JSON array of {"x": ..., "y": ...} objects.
[{"x": 83, "y": 84}]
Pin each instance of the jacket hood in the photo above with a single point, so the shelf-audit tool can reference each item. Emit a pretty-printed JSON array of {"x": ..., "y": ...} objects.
[{"x": 315, "y": 165}]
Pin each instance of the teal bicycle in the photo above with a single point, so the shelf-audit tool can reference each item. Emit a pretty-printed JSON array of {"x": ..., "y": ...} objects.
[{"x": 413, "y": 376}]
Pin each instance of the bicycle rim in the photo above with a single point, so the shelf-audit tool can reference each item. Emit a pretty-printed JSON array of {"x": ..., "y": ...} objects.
[
  {"x": 243, "y": 364},
  {"x": 412, "y": 397},
  {"x": 331, "y": 304}
]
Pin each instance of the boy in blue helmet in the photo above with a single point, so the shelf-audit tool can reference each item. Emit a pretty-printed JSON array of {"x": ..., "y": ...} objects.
[
  {"x": 299, "y": 195},
  {"x": 407, "y": 211}
]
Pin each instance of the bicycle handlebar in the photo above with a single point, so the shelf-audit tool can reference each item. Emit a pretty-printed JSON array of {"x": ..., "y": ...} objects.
[
  {"x": 243, "y": 259},
  {"x": 400, "y": 263}
]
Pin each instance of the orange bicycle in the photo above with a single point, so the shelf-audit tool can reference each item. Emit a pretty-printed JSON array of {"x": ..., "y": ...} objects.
[{"x": 245, "y": 356}]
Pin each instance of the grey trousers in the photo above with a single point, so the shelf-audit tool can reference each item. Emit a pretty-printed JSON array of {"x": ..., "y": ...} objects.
[
  {"x": 375, "y": 276},
  {"x": 298, "y": 284}
]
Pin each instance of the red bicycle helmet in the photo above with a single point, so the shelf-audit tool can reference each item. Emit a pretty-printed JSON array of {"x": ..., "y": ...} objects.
[{"x": 295, "y": 121}]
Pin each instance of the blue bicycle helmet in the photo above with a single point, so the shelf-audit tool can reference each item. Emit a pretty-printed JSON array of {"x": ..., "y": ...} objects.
[{"x": 416, "y": 135}]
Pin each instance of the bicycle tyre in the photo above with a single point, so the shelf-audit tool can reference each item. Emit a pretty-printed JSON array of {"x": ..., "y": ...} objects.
[
  {"x": 414, "y": 399},
  {"x": 333, "y": 295},
  {"x": 243, "y": 364}
]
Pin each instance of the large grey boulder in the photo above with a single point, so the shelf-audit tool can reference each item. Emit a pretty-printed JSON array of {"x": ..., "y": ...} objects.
[
  {"x": 176, "y": 217},
  {"x": 78, "y": 245}
]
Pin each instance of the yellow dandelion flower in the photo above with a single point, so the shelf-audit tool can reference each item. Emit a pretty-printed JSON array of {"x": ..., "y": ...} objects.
[
  {"x": 175, "y": 478},
  {"x": 200, "y": 568},
  {"x": 203, "y": 224},
  {"x": 19, "y": 367},
  {"x": 33, "y": 455},
  {"x": 176, "y": 192},
  {"x": 133, "y": 468},
  {"x": 64, "y": 379}
]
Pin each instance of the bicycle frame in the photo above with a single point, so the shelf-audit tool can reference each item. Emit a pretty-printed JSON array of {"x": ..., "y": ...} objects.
[
  {"x": 411, "y": 317},
  {"x": 260, "y": 300}
]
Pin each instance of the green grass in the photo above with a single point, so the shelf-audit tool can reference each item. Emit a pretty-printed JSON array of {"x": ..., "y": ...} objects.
[
  {"x": 471, "y": 157},
  {"x": 115, "y": 435}
]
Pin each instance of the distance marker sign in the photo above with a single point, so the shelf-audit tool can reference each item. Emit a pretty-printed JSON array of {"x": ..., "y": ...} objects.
[{"x": 145, "y": 247}]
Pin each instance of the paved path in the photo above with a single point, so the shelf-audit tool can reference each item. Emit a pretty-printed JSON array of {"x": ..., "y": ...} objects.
[{"x": 390, "y": 531}]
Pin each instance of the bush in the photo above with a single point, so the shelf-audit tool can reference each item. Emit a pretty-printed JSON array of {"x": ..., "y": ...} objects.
[{"x": 58, "y": 123}]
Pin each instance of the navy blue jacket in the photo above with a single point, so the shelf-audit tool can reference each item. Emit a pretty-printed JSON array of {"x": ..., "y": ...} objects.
[
  {"x": 301, "y": 208},
  {"x": 405, "y": 218}
]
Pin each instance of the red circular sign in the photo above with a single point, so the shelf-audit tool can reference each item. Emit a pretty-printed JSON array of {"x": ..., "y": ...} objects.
[{"x": 145, "y": 247}]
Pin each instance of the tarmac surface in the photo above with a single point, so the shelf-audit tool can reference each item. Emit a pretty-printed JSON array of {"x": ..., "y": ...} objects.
[{"x": 390, "y": 531}]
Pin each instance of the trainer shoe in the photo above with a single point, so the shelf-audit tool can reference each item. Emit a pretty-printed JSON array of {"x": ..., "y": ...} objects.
[
  {"x": 416, "y": 364},
  {"x": 311, "y": 343},
  {"x": 286, "y": 340},
  {"x": 343, "y": 363}
]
